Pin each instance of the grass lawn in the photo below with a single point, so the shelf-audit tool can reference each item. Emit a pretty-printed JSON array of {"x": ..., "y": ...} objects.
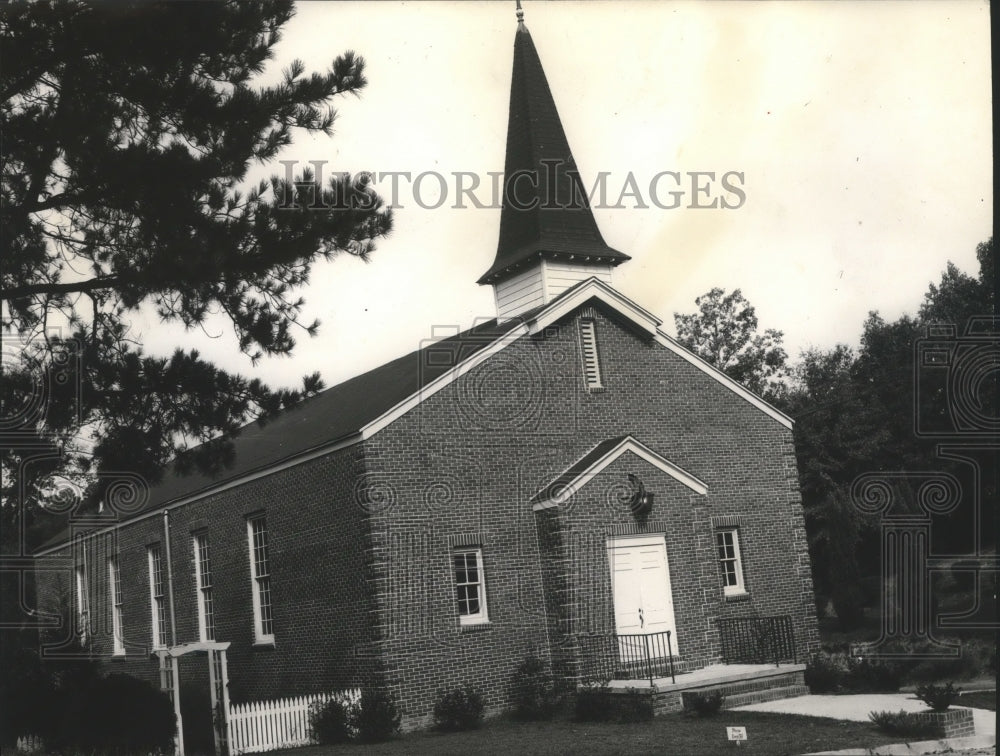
[
  {"x": 986, "y": 699},
  {"x": 771, "y": 734}
]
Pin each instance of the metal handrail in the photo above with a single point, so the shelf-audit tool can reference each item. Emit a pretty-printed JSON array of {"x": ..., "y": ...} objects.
[
  {"x": 639, "y": 656},
  {"x": 757, "y": 640},
  {"x": 652, "y": 652}
]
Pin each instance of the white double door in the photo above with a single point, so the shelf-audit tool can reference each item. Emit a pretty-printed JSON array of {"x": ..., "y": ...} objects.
[{"x": 640, "y": 584}]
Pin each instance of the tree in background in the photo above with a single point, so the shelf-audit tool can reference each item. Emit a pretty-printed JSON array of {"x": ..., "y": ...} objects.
[
  {"x": 129, "y": 131},
  {"x": 724, "y": 333},
  {"x": 960, "y": 296},
  {"x": 855, "y": 413},
  {"x": 835, "y": 441}
]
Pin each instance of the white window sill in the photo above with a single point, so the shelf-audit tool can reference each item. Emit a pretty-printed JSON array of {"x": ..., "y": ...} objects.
[
  {"x": 264, "y": 643},
  {"x": 471, "y": 627},
  {"x": 737, "y": 596}
]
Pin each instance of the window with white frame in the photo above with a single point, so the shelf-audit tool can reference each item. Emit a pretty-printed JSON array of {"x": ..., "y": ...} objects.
[
  {"x": 203, "y": 587},
  {"x": 470, "y": 586},
  {"x": 115, "y": 594},
  {"x": 82, "y": 606},
  {"x": 260, "y": 574},
  {"x": 727, "y": 543},
  {"x": 157, "y": 598},
  {"x": 588, "y": 345}
]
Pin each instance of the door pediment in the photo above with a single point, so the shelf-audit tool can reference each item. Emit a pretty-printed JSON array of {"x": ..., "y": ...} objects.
[{"x": 580, "y": 473}]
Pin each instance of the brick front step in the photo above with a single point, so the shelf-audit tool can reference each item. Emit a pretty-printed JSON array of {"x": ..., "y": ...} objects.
[
  {"x": 730, "y": 689},
  {"x": 737, "y": 692},
  {"x": 759, "y": 696}
]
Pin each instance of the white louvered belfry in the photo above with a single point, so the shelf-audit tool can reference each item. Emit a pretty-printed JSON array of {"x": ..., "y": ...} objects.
[{"x": 591, "y": 364}]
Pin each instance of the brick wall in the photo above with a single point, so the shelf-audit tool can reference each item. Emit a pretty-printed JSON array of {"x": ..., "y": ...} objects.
[
  {"x": 470, "y": 458},
  {"x": 320, "y": 593},
  {"x": 361, "y": 540}
]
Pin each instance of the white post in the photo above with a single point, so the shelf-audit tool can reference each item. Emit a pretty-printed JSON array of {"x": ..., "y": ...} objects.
[
  {"x": 224, "y": 666},
  {"x": 175, "y": 693},
  {"x": 176, "y": 672},
  {"x": 213, "y": 693}
]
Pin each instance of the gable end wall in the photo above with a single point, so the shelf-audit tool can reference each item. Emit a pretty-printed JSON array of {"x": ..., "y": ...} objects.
[{"x": 471, "y": 457}]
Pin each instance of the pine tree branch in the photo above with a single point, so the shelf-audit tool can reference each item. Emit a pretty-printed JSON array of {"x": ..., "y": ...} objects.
[{"x": 56, "y": 288}]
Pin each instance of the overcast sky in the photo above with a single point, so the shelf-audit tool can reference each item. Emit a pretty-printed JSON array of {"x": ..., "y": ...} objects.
[{"x": 862, "y": 131}]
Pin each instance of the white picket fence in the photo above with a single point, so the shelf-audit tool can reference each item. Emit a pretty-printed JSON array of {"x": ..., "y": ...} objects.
[
  {"x": 267, "y": 725},
  {"x": 29, "y": 744}
]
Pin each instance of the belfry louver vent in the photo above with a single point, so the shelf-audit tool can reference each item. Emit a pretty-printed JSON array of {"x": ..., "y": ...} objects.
[{"x": 591, "y": 365}]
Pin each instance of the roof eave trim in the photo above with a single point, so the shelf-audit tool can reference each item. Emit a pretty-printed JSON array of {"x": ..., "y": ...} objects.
[
  {"x": 628, "y": 444},
  {"x": 443, "y": 380},
  {"x": 594, "y": 288},
  {"x": 610, "y": 257}
]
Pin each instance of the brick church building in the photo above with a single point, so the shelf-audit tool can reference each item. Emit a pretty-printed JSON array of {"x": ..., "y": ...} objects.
[{"x": 562, "y": 480}]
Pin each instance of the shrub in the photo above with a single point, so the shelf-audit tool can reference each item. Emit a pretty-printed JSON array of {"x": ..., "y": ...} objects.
[
  {"x": 704, "y": 704},
  {"x": 196, "y": 715},
  {"x": 532, "y": 691},
  {"x": 905, "y": 724},
  {"x": 972, "y": 661},
  {"x": 27, "y": 693},
  {"x": 331, "y": 721},
  {"x": 982, "y": 653},
  {"x": 459, "y": 709},
  {"x": 939, "y": 698},
  {"x": 872, "y": 676},
  {"x": 376, "y": 717},
  {"x": 832, "y": 673},
  {"x": 115, "y": 714},
  {"x": 593, "y": 703},
  {"x": 823, "y": 674},
  {"x": 634, "y": 707},
  {"x": 932, "y": 670}
]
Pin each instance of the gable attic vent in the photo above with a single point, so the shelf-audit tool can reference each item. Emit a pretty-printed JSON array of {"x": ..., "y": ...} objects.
[{"x": 591, "y": 365}]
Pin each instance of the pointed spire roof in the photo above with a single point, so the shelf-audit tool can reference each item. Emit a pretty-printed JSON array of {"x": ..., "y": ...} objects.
[{"x": 548, "y": 216}]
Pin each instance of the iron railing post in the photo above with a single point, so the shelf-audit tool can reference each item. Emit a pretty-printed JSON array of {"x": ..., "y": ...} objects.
[
  {"x": 774, "y": 641},
  {"x": 670, "y": 655},
  {"x": 649, "y": 665},
  {"x": 791, "y": 631}
]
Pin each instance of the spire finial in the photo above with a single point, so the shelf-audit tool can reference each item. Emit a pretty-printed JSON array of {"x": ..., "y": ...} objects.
[{"x": 520, "y": 14}]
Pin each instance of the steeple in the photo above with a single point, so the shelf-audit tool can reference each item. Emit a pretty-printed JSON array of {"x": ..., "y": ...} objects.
[{"x": 546, "y": 224}]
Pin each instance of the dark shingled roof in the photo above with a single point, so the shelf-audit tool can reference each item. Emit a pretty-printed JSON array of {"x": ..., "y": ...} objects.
[
  {"x": 560, "y": 223},
  {"x": 340, "y": 411},
  {"x": 332, "y": 415}
]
